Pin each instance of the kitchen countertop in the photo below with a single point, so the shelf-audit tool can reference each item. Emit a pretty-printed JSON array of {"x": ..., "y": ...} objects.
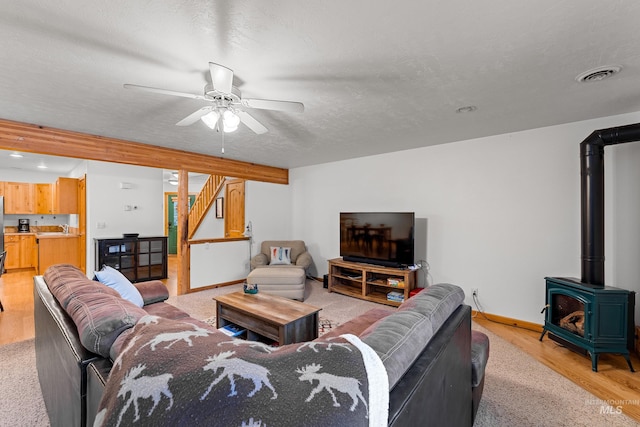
[
  {"x": 44, "y": 234},
  {"x": 54, "y": 235}
]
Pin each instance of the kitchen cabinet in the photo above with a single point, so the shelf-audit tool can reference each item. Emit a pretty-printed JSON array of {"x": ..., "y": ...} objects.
[
  {"x": 21, "y": 251},
  {"x": 58, "y": 249},
  {"x": 19, "y": 198},
  {"x": 44, "y": 198},
  {"x": 60, "y": 197},
  {"x": 12, "y": 246},
  {"x": 65, "y": 196}
]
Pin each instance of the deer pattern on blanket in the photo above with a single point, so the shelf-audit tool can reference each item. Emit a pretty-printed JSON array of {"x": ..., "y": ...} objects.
[
  {"x": 136, "y": 388},
  {"x": 177, "y": 373},
  {"x": 232, "y": 367},
  {"x": 329, "y": 382}
]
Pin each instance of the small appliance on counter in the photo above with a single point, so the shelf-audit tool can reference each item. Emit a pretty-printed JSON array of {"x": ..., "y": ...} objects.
[{"x": 23, "y": 225}]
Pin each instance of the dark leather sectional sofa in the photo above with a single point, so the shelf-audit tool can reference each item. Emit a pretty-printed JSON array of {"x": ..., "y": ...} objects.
[{"x": 437, "y": 388}]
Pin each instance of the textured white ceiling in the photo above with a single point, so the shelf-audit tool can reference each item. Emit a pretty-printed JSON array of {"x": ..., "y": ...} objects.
[{"x": 374, "y": 76}]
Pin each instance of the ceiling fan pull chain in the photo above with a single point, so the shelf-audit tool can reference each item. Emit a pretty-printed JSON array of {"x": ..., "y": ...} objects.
[{"x": 222, "y": 142}]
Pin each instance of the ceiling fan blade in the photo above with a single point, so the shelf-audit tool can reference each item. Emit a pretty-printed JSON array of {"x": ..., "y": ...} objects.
[
  {"x": 270, "y": 104},
  {"x": 251, "y": 123},
  {"x": 221, "y": 77},
  {"x": 163, "y": 91},
  {"x": 194, "y": 117}
]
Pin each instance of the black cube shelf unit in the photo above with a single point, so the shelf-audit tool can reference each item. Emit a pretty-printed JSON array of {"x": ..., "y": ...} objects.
[{"x": 137, "y": 258}]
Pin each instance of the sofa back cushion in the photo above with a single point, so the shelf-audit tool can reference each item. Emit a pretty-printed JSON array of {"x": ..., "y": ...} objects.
[
  {"x": 101, "y": 318},
  {"x": 99, "y": 313},
  {"x": 400, "y": 338},
  {"x": 66, "y": 281},
  {"x": 297, "y": 247}
]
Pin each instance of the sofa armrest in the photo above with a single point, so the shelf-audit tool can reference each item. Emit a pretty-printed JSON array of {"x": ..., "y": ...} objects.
[
  {"x": 259, "y": 260},
  {"x": 304, "y": 260},
  {"x": 152, "y": 291}
]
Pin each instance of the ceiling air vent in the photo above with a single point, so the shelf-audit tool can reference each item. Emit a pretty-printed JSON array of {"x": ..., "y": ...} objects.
[{"x": 599, "y": 73}]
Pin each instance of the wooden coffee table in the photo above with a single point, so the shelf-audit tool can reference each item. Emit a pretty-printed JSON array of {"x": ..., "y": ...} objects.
[{"x": 268, "y": 318}]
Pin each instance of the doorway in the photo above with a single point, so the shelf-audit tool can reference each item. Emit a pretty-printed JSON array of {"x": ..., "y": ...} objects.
[{"x": 171, "y": 202}]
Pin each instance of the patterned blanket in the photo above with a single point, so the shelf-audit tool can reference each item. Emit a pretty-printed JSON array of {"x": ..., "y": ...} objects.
[{"x": 175, "y": 373}]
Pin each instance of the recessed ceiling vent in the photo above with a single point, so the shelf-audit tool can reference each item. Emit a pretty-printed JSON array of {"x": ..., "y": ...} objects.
[{"x": 599, "y": 73}]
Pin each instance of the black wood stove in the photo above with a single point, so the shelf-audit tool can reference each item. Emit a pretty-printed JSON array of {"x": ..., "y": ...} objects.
[{"x": 585, "y": 315}]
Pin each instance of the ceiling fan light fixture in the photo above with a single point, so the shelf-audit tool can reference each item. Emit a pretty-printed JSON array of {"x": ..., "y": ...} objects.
[
  {"x": 230, "y": 121},
  {"x": 173, "y": 181},
  {"x": 225, "y": 98},
  {"x": 211, "y": 119}
]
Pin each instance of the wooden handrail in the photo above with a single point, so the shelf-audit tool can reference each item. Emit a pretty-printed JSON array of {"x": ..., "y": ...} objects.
[{"x": 204, "y": 201}]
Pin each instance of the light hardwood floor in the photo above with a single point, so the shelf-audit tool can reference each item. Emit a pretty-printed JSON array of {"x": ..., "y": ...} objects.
[{"x": 613, "y": 381}]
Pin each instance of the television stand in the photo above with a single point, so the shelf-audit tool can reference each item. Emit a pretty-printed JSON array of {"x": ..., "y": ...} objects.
[{"x": 369, "y": 281}]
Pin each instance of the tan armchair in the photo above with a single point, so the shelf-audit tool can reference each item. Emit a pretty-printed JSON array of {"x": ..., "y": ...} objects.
[
  {"x": 286, "y": 280},
  {"x": 299, "y": 255}
]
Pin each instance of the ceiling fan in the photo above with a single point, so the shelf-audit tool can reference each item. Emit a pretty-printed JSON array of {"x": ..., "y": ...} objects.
[{"x": 227, "y": 104}]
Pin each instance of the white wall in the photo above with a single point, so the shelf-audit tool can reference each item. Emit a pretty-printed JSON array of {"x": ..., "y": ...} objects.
[
  {"x": 106, "y": 214},
  {"x": 19, "y": 175},
  {"x": 622, "y": 252},
  {"x": 268, "y": 207},
  {"x": 215, "y": 263},
  {"x": 503, "y": 211}
]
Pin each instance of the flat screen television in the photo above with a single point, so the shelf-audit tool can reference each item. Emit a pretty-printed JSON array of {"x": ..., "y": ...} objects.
[{"x": 383, "y": 238}]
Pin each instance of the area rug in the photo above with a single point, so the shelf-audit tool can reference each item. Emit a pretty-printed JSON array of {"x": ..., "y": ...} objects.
[
  {"x": 21, "y": 401},
  {"x": 324, "y": 325}
]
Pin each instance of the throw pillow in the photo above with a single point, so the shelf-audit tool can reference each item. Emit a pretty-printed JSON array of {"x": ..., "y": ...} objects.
[
  {"x": 280, "y": 255},
  {"x": 116, "y": 280}
]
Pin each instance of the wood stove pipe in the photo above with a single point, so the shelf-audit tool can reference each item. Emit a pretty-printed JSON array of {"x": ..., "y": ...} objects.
[{"x": 592, "y": 196}]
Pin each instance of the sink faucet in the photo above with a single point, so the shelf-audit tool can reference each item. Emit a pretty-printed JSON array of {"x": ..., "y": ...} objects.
[{"x": 65, "y": 228}]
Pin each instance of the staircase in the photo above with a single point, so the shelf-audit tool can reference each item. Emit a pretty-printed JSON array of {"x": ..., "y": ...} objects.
[{"x": 203, "y": 202}]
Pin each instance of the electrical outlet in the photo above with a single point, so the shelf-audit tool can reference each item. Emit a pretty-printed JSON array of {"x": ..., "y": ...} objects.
[{"x": 474, "y": 292}]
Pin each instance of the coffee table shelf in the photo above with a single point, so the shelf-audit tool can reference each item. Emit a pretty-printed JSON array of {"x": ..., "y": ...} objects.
[{"x": 268, "y": 318}]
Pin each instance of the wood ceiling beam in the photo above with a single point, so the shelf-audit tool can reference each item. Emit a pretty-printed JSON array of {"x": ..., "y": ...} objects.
[{"x": 57, "y": 142}]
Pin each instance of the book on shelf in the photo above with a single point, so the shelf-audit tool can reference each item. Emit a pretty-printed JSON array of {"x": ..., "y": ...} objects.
[
  {"x": 232, "y": 330},
  {"x": 395, "y": 296}
]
